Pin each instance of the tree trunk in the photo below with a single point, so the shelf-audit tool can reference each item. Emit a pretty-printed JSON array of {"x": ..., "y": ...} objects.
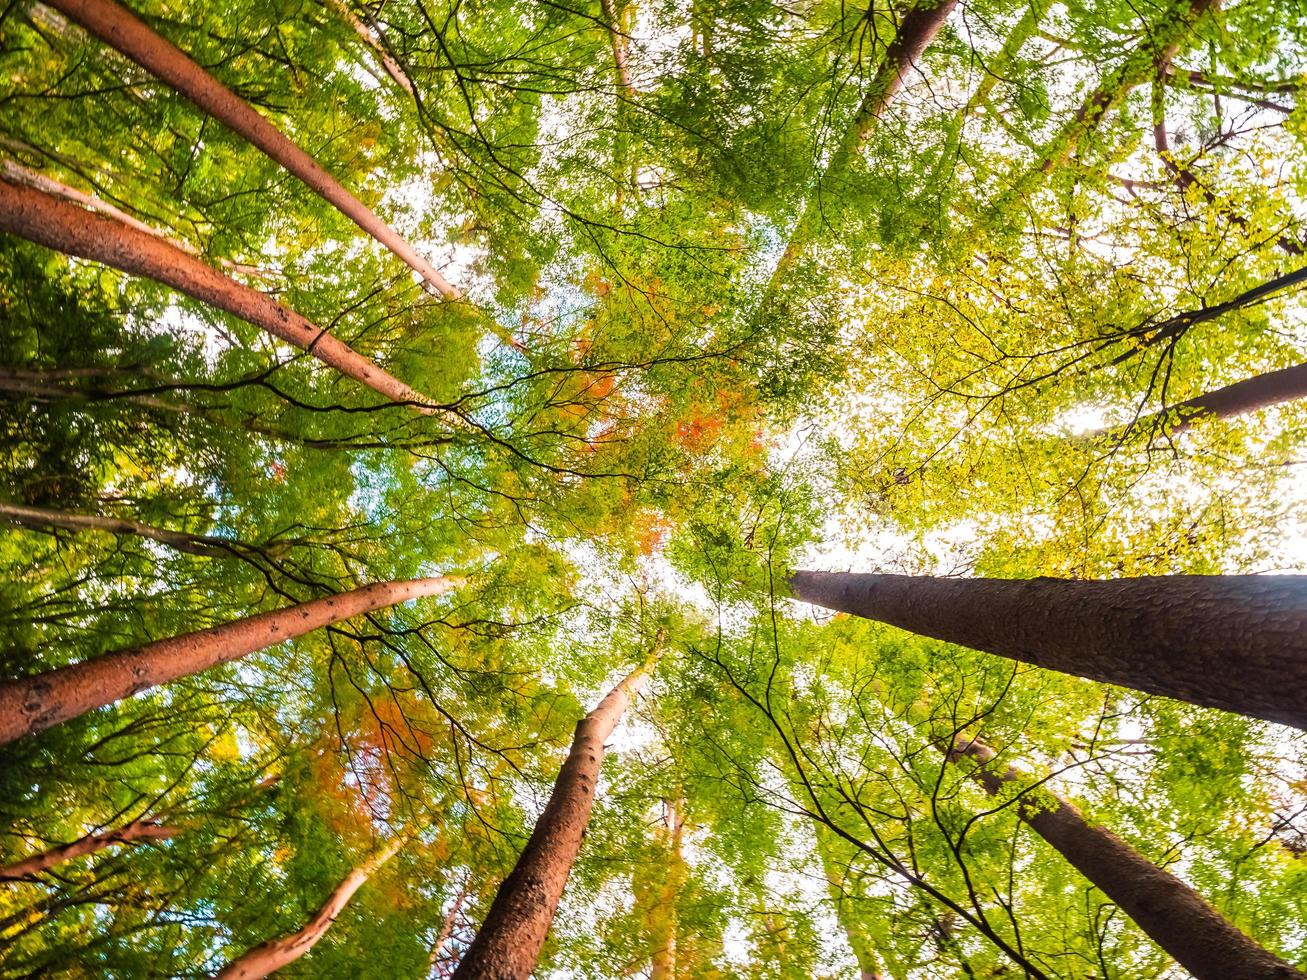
[
  {"x": 90, "y": 844},
  {"x": 918, "y": 29},
  {"x": 35, "y": 703},
  {"x": 663, "y": 918},
  {"x": 58, "y": 224},
  {"x": 1175, "y": 916},
  {"x": 373, "y": 41},
  {"x": 1237, "y": 642},
  {"x": 41, "y": 518},
  {"x": 270, "y": 956},
  {"x": 1250, "y": 395},
  {"x": 446, "y": 930},
  {"x": 119, "y": 28},
  {"x": 509, "y": 941}
]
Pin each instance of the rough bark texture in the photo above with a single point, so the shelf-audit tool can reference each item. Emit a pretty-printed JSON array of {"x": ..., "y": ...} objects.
[
  {"x": 134, "y": 831},
  {"x": 1176, "y": 917},
  {"x": 274, "y": 954},
  {"x": 120, "y": 29},
  {"x": 61, "y": 225},
  {"x": 32, "y": 704},
  {"x": 1236, "y": 642},
  {"x": 509, "y": 941}
]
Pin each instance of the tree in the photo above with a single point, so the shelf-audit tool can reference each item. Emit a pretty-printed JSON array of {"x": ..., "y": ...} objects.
[
  {"x": 1174, "y": 915},
  {"x": 273, "y": 954},
  {"x": 514, "y": 929},
  {"x": 1226, "y": 642},
  {"x": 32, "y": 704}
]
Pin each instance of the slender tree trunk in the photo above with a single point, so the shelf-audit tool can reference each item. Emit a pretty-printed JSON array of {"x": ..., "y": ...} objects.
[
  {"x": 270, "y": 956},
  {"x": 509, "y": 941},
  {"x": 1155, "y": 55},
  {"x": 1237, "y": 642},
  {"x": 121, "y": 29},
  {"x": 1175, "y": 916},
  {"x": 663, "y": 918},
  {"x": 835, "y": 873},
  {"x": 446, "y": 930},
  {"x": 41, "y": 518},
  {"x": 89, "y": 844},
  {"x": 374, "y": 43},
  {"x": 918, "y": 29},
  {"x": 35, "y": 703},
  {"x": 55, "y": 223}
]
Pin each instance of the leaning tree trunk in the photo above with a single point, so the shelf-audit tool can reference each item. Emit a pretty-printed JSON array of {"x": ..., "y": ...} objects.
[
  {"x": 55, "y": 223},
  {"x": 121, "y": 29},
  {"x": 89, "y": 844},
  {"x": 509, "y": 941},
  {"x": 1237, "y": 642},
  {"x": 1250, "y": 395},
  {"x": 270, "y": 956},
  {"x": 35, "y": 703},
  {"x": 42, "y": 518},
  {"x": 918, "y": 29},
  {"x": 1175, "y": 916}
]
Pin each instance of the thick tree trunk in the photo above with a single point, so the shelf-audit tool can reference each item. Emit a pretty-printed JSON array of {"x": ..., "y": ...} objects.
[
  {"x": 509, "y": 941},
  {"x": 134, "y": 831},
  {"x": 35, "y": 703},
  {"x": 270, "y": 956},
  {"x": 121, "y": 29},
  {"x": 1175, "y": 916},
  {"x": 55, "y": 223},
  {"x": 1237, "y": 642},
  {"x": 1250, "y": 395}
]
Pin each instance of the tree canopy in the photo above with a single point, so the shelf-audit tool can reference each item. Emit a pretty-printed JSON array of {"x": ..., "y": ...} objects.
[{"x": 489, "y": 370}]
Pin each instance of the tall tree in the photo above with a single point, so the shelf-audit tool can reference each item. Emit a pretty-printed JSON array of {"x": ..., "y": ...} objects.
[
  {"x": 1176, "y": 917},
  {"x": 274, "y": 954},
  {"x": 510, "y": 938},
  {"x": 33, "y": 704},
  {"x": 1232, "y": 642},
  {"x": 57, "y": 224}
]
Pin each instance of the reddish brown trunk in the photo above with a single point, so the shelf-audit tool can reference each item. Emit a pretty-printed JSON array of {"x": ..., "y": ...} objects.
[
  {"x": 509, "y": 941},
  {"x": 58, "y": 224},
  {"x": 119, "y": 28},
  {"x": 270, "y": 956},
  {"x": 1175, "y": 916},
  {"x": 134, "y": 831},
  {"x": 1237, "y": 642},
  {"x": 33, "y": 704}
]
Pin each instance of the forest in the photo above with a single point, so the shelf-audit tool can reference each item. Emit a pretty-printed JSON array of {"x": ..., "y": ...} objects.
[{"x": 653, "y": 488}]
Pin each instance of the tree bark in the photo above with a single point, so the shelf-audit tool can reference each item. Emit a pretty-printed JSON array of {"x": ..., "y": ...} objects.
[
  {"x": 1236, "y": 642},
  {"x": 121, "y": 29},
  {"x": 508, "y": 943},
  {"x": 35, "y": 703},
  {"x": 89, "y": 844},
  {"x": 1173, "y": 915},
  {"x": 41, "y": 518},
  {"x": 1250, "y": 395},
  {"x": 55, "y": 223},
  {"x": 270, "y": 956},
  {"x": 446, "y": 930}
]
